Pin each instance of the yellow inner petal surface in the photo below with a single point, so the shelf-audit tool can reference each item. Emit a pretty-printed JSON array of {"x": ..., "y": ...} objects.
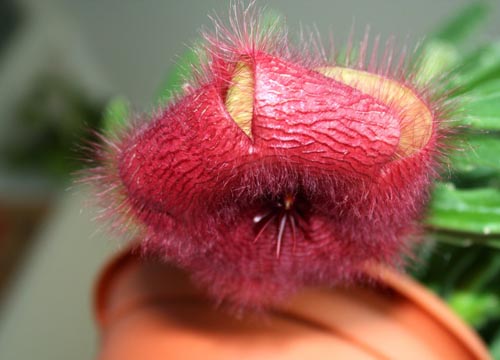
[
  {"x": 415, "y": 116},
  {"x": 240, "y": 97}
]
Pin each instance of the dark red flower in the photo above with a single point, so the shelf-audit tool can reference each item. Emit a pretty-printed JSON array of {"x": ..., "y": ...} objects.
[{"x": 272, "y": 172}]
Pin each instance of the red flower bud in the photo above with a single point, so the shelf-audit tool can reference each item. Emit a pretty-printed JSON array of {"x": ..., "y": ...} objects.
[{"x": 271, "y": 172}]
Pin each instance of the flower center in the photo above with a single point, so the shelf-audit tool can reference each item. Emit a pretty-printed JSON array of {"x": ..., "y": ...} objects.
[{"x": 286, "y": 215}]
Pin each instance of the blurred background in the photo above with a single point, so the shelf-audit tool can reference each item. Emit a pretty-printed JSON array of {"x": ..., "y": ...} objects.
[{"x": 61, "y": 61}]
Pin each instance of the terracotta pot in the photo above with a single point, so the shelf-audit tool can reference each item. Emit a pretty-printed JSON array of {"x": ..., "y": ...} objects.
[{"x": 147, "y": 310}]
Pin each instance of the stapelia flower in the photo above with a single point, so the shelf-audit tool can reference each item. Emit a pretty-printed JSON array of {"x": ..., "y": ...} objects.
[{"x": 272, "y": 171}]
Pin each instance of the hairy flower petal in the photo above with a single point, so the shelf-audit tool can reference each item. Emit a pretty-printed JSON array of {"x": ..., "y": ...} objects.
[{"x": 272, "y": 172}]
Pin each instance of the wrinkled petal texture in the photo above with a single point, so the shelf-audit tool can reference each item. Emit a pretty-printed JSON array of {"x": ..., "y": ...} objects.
[{"x": 313, "y": 189}]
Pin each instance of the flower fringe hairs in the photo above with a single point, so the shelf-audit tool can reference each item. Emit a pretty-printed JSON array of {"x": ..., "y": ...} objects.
[{"x": 274, "y": 169}]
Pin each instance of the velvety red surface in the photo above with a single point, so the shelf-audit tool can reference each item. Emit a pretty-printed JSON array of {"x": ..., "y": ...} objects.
[{"x": 314, "y": 193}]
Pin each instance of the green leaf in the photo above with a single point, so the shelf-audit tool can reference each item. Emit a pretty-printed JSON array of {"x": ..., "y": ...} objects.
[
  {"x": 466, "y": 240},
  {"x": 481, "y": 106},
  {"x": 482, "y": 65},
  {"x": 495, "y": 346},
  {"x": 463, "y": 24},
  {"x": 178, "y": 75},
  {"x": 437, "y": 57},
  {"x": 449, "y": 262},
  {"x": 475, "y": 211},
  {"x": 475, "y": 308},
  {"x": 460, "y": 267},
  {"x": 480, "y": 156},
  {"x": 489, "y": 89},
  {"x": 116, "y": 114},
  {"x": 440, "y": 53},
  {"x": 488, "y": 270}
]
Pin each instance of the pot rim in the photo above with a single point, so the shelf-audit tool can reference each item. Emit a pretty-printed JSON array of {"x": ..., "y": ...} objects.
[{"x": 399, "y": 283}]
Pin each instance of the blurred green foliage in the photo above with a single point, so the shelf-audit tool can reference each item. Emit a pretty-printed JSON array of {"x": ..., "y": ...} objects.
[
  {"x": 52, "y": 123},
  {"x": 461, "y": 262},
  {"x": 116, "y": 114}
]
